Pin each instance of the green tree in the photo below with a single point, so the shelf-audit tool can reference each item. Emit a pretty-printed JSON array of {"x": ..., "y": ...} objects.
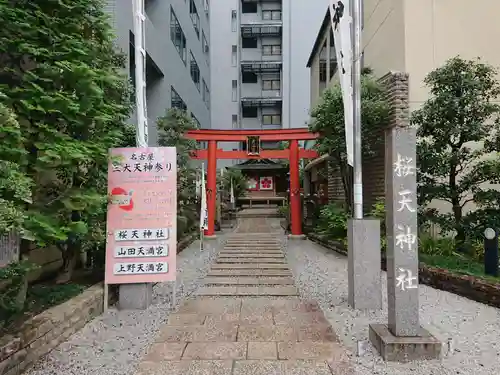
[
  {"x": 15, "y": 186},
  {"x": 239, "y": 182},
  {"x": 64, "y": 79},
  {"x": 458, "y": 130},
  {"x": 171, "y": 133},
  {"x": 328, "y": 120}
]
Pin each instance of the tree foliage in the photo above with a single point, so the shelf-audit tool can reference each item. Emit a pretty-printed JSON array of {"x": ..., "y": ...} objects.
[
  {"x": 15, "y": 186},
  {"x": 62, "y": 76},
  {"x": 328, "y": 120},
  {"x": 239, "y": 182},
  {"x": 458, "y": 130},
  {"x": 171, "y": 133}
]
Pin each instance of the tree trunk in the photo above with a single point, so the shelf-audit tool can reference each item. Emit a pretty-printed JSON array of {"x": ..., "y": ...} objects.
[{"x": 70, "y": 253}]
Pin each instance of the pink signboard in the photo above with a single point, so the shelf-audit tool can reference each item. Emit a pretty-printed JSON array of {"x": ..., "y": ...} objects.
[{"x": 141, "y": 244}]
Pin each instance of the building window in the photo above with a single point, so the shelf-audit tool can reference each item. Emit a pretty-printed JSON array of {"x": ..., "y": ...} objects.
[
  {"x": 206, "y": 6},
  {"x": 177, "y": 36},
  {"x": 271, "y": 50},
  {"x": 235, "y": 121},
  {"x": 249, "y": 112},
  {"x": 248, "y": 77},
  {"x": 198, "y": 124},
  {"x": 235, "y": 90},
  {"x": 248, "y": 42},
  {"x": 234, "y": 21},
  {"x": 203, "y": 92},
  {"x": 206, "y": 48},
  {"x": 131, "y": 62},
  {"x": 195, "y": 18},
  {"x": 248, "y": 7},
  {"x": 234, "y": 55},
  {"x": 271, "y": 15},
  {"x": 271, "y": 120},
  {"x": 206, "y": 94},
  {"x": 322, "y": 71},
  {"x": 333, "y": 68},
  {"x": 195, "y": 70},
  {"x": 176, "y": 100},
  {"x": 271, "y": 84}
]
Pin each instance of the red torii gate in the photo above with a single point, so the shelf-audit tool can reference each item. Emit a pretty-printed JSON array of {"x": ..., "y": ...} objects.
[{"x": 293, "y": 153}]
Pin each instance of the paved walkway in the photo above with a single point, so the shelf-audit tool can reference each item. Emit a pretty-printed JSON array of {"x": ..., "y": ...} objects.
[{"x": 248, "y": 318}]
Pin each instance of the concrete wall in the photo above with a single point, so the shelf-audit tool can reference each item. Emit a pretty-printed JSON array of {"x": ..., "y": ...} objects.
[
  {"x": 162, "y": 51},
  {"x": 418, "y": 36},
  {"x": 436, "y": 30}
]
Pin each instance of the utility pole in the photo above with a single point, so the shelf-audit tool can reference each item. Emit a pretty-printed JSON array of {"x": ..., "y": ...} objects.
[
  {"x": 356, "y": 97},
  {"x": 140, "y": 73},
  {"x": 139, "y": 296},
  {"x": 364, "y": 289}
]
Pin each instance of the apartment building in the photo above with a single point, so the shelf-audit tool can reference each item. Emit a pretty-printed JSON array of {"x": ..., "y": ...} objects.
[
  {"x": 259, "y": 50},
  {"x": 178, "y": 55}
]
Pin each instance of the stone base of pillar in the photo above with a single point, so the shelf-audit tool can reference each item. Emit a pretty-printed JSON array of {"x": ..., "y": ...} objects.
[
  {"x": 296, "y": 236},
  {"x": 404, "y": 349},
  {"x": 135, "y": 296},
  {"x": 363, "y": 269},
  {"x": 212, "y": 237}
]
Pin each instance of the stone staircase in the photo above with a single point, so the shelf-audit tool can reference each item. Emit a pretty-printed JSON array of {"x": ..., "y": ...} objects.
[{"x": 250, "y": 265}]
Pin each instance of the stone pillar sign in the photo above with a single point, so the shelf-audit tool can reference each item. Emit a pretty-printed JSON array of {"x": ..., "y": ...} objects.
[
  {"x": 402, "y": 339},
  {"x": 402, "y": 245}
]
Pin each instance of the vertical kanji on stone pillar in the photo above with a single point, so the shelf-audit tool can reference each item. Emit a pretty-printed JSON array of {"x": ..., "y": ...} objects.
[{"x": 402, "y": 241}]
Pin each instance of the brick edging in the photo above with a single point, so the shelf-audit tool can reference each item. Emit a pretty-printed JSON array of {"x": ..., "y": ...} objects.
[
  {"x": 463, "y": 285},
  {"x": 42, "y": 333}
]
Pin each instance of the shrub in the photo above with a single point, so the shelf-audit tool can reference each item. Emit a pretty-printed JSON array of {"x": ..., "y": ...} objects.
[{"x": 333, "y": 221}]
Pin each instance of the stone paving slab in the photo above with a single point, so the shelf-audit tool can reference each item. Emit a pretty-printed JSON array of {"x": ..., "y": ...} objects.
[{"x": 248, "y": 319}]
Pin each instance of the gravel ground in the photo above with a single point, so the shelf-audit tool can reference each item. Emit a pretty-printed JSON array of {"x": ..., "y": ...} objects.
[
  {"x": 114, "y": 342},
  {"x": 473, "y": 328}
]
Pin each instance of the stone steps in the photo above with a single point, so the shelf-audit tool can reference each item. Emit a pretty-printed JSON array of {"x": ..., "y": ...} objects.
[
  {"x": 249, "y": 281},
  {"x": 248, "y": 260},
  {"x": 249, "y": 272},
  {"x": 251, "y": 255},
  {"x": 275, "y": 291},
  {"x": 249, "y": 266}
]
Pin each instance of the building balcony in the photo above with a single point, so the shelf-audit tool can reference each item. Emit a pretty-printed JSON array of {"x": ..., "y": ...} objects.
[
  {"x": 265, "y": 99},
  {"x": 273, "y": 17},
  {"x": 262, "y": 29},
  {"x": 261, "y": 66}
]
